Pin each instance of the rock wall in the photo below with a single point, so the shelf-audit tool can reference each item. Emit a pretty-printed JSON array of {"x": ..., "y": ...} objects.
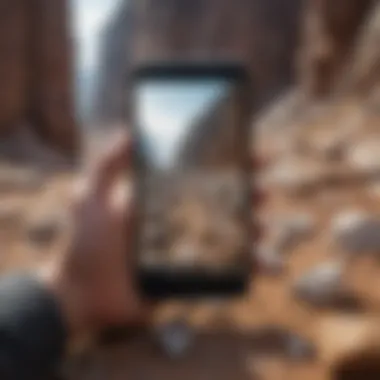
[
  {"x": 51, "y": 93},
  {"x": 311, "y": 44},
  {"x": 110, "y": 97},
  {"x": 36, "y": 71},
  {"x": 330, "y": 32},
  {"x": 364, "y": 73},
  {"x": 263, "y": 33},
  {"x": 14, "y": 62}
]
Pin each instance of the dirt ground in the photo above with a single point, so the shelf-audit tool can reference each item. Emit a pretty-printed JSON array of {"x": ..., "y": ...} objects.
[{"x": 238, "y": 339}]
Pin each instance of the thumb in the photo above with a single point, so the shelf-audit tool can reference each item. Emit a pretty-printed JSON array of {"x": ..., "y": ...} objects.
[{"x": 114, "y": 162}]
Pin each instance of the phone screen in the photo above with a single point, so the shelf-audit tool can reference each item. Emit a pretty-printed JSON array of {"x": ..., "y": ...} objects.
[{"x": 194, "y": 179}]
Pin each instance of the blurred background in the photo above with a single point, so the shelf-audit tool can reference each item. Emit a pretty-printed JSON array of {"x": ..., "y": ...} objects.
[{"x": 314, "y": 307}]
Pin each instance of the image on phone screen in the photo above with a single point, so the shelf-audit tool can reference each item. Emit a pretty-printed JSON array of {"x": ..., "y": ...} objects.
[{"x": 193, "y": 179}]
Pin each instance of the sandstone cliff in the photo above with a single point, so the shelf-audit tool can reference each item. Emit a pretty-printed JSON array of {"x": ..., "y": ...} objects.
[
  {"x": 310, "y": 44},
  {"x": 35, "y": 71},
  {"x": 116, "y": 41},
  {"x": 51, "y": 94},
  {"x": 14, "y": 62},
  {"x": 263, "y": 33},
  {"x": 331, "y": 30},
  {"x": 363, "y": 74}
]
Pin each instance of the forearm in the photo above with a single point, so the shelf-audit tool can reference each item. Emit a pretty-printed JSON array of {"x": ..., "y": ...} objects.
[{"x": 32, "y": 332}]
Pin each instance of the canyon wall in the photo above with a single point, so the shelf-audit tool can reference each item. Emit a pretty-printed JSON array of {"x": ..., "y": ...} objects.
[
  {"x": 307, "y": 44},
  {"x": 115, "y": 60},
  {"x": 36, "y": 71},
  {"x": 330, "y": 32},
  {"x": 263, "y": 33}
]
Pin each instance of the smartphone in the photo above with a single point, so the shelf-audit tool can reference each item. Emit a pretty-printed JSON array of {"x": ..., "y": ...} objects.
[{"x": 192, "y": 169}]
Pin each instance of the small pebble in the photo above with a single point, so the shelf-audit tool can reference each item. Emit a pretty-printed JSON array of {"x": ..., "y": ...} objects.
[
  {"x": 291, "y": 230},
  {"x": 322, "y": 286},
  {"x": 365, "y": 157},
  {"x": 277, "y": 341},
  {"x": 176, "y": 338},
  {"x": 269, "y": 261},
  {"x": 356, "y": 231}
]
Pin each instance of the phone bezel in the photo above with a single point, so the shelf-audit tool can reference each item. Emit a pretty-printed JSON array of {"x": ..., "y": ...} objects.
[{"x": 165, "y": 282}]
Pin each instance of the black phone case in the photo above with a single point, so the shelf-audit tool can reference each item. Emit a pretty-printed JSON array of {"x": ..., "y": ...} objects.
[{"x": 163, "y": 283}]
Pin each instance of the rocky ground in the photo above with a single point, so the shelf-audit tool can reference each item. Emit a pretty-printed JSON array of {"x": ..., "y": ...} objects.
[
  {"x": 195, "y": 221},
  {"x": 315, "y": 302}
]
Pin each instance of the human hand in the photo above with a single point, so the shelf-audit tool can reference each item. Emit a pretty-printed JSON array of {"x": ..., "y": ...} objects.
[{"x": 93, "y": 280}]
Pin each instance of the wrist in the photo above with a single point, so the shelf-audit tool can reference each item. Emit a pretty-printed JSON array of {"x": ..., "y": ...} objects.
[{"x": 70, "y": 300}]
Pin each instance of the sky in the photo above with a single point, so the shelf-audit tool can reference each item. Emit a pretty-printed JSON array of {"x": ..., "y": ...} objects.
[
  {"x": 89, "y": 18},
  {"x": 165, "y": 111}
]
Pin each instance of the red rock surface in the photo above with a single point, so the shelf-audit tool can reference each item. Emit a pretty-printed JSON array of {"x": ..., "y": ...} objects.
[
  {"x": 51, "y": 94},
  {"x": 263, "y": 33},
  {"x": 35, "y": 71},
  {"x": 14, "y": 62},
  {"x": 330, "y": 32},
  {"x": 317, "y": 44}
]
